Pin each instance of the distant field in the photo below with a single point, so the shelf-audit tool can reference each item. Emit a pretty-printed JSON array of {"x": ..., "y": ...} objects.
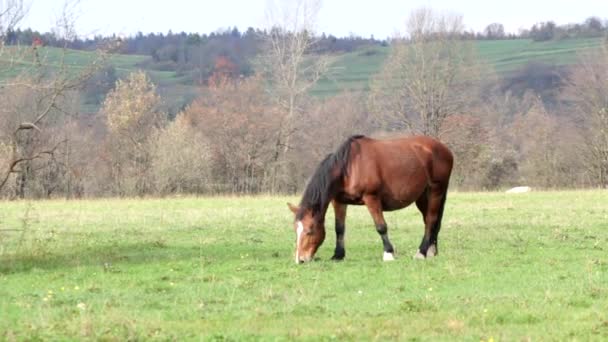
[
  {"x": 175, "y": 89},
  {"x": 520, "y": 267},
  {"x": 15, "y": 60},
  {"x": 508, "y": 55},
  {"x": 351, "y": 71}
]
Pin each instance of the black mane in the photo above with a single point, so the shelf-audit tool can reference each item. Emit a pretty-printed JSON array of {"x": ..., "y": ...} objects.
[{"x": 318, "y": 190}]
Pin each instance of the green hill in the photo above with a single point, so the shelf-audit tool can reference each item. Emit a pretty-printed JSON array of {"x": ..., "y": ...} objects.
[
  {"x": 15, "y": 60},
  {"x": 175, "y": 89},
  {"x": 350, "y": 71}
]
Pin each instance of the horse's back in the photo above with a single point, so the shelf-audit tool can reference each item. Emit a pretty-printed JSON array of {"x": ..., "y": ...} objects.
[
  {"x": 415, "y": 151},
  {"x": 400, "y": 169}
]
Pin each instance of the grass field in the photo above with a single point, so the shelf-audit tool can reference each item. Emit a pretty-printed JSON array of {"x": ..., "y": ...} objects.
[
  {"x": 176, "y": 90},
  {"x": 353, "y": 71},
  {"x": 15, "y": 60},
  {"x": 511, "y": 267}
]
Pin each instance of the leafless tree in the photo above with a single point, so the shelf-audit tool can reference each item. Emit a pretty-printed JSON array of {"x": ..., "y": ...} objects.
[
  {"x": 546, "y": 148},
  {"x": 429, "y": 75},
  {"x": 494, "y": 31},
  {"x": 587, "y": 91},
  {"x": 291, "y": 67},
  {"x": 11, "y": 13},
  {"x": 468, "y": 138},
  {"x": 34, "y": 100},
  {"x": 181, "y": 159},
  {"x": 332, "y": 120},
  {"x": 240, "y": 122},
  {"x": 132, "y": 112}
]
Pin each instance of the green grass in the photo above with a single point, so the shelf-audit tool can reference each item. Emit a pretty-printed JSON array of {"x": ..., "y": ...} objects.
[
  {"x": 509, "y": 55},
  {"x": 176, "y": 90},
  {"x": 353, "y": 71},
  {"x": 16, "y": 60},
  {"x": 511, "y": 267}
]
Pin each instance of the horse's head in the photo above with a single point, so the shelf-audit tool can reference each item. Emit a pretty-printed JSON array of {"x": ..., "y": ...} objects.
[{"x": 310, "y": 233}]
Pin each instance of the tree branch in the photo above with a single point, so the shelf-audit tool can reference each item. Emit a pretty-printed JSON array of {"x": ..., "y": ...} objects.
[{"x": 14, "y": 163}]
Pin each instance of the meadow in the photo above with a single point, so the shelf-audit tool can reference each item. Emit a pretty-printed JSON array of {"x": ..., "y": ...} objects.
[
  {"x": 353, "y": 71},
  {"x": 175, "y": 89},
  {"x": 510, "y": 267}
]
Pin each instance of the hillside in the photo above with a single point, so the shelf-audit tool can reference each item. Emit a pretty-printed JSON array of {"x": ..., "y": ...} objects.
[
  {"x": 175, "y": 89},
  {"x": 350, "y": 71}
]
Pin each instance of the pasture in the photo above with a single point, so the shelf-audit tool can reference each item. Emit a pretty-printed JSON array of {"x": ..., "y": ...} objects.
[
  {"x": 510, "y": 267},
  {"x": 175, "y": 89},
  {"x": 353, "y": 71}
]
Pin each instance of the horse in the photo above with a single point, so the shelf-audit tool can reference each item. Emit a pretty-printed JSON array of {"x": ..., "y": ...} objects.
[{"x": 384, "y": 175}]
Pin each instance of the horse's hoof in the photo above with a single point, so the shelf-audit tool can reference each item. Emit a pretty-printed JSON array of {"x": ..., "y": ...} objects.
[
  {"x": 388, "y": 256},
  {"x": 431, "y": 252},
  {"x": 337, "y": 258},
  {"x": 419, "y": 256}
]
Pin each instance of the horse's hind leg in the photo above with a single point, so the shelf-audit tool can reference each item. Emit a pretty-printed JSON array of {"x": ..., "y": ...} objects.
[
  {"x": 431, "y": 206},
  {"x": 375, "y": 209},
  {"x": 422, "y": 203},
  {"x": 340, "y": 211}
]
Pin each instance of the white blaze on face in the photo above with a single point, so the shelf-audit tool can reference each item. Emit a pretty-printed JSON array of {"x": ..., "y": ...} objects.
[{"x": 299, "y": 230}]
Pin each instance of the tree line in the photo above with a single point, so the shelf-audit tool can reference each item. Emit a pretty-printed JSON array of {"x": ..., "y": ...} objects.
[{"x": 192, "y": 55}]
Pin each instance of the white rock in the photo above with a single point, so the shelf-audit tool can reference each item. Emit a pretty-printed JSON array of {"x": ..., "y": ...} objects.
[{"x": 519, "y": 190}]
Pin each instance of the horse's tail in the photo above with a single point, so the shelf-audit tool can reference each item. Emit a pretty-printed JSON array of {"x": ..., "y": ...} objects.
[{"x": 448, "y": 158}]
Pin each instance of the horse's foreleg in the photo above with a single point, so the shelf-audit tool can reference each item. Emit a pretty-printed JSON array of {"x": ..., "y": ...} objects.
[
  {"x": 375, "y": 209},
  {"x": 340, "y": 211}
]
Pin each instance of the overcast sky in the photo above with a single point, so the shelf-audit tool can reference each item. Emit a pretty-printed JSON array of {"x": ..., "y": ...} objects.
[{"x": 382, "y": 18}]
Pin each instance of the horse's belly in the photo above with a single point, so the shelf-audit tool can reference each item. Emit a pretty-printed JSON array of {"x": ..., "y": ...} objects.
[
  {"x": 401, "y": 195},
  {"x": 390, "y": 204},
  {"x": 345, "y": 198}
]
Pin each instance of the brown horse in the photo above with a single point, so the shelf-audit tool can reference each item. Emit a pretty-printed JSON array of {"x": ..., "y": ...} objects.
[{"x": 384, "y": 175}]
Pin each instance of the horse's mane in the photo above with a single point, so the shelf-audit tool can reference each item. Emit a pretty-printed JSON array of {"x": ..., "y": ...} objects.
[{"x": 318, "y": 190}]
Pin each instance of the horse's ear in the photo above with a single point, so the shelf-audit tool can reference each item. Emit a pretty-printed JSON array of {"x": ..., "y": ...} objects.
[{"x": 293, "y": 208}]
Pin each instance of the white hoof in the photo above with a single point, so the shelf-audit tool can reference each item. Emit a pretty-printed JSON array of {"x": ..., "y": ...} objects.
[
  {"x": 419, "y": 256},
  {"x": 388, "y": 256},
  {"x": 431, "y": 252}
]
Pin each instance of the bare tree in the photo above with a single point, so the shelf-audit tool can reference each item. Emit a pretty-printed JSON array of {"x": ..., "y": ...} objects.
[
  {"x": 33, "y": 101},
  {"x": 181, "y": 159},
  {"x": 133, "y": 114},
  {"x": 428, "y": 76},
  {"x": 587, "y": 91},
  {"x": 546, "y": 146},
  {"x": 469, "y": 140},
  {"x": 291, "y": 68},
  {"x": 332, "y": 120},
  {"x": 11, "y": 13},
  {"x": 240, "y": 123},
  {"x": 494, "y": 31}
]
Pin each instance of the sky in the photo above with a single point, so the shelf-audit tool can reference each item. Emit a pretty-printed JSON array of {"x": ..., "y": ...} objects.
[{"x": 381, "y": 18}]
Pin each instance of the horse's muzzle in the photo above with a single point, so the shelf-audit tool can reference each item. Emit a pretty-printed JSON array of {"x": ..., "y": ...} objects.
[{"x": 303, "y": 259}]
